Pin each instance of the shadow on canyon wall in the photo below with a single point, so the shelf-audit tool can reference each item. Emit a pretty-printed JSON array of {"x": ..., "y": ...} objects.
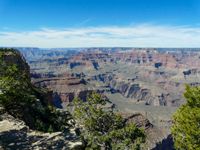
[{"x": 165, "y": 144}]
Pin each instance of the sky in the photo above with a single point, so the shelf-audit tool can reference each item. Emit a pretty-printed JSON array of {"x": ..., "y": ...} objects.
[{"x": 100, "y": 23}]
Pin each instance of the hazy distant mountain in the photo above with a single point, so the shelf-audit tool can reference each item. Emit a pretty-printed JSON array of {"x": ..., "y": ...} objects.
[{"x": 34, "y": 54}]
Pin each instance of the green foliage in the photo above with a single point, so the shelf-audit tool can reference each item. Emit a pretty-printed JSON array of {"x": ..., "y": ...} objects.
[
  {"x": 186, "y": 127},
  {"x": 24, "y": 101},
  {"x": 103, "y": 128}
]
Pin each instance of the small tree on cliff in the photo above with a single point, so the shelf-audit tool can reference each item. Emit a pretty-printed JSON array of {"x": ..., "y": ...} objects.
[
  {"x": 186, "y": 127},
  {"x": 102, "y": 128}
]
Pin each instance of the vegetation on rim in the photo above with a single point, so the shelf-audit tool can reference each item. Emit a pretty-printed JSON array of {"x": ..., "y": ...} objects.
[
  {"x": 186, "y": 127},
  {"x": 101, "y": 127}
]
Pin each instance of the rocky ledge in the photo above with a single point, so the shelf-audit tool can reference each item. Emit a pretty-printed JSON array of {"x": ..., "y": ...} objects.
[{"x": 14, "y": 134}]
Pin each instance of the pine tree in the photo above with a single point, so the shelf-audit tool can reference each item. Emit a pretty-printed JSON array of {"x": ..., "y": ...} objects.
[
  {"x": 102, "y": 128},
  {"x": 186, "y": 127}
]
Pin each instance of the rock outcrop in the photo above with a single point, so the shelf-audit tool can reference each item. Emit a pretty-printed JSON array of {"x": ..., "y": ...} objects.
[
  {"x": 14, "y": 57},
  {"x": 15, "y": 134},
  {"x": 65, "y": 88}
]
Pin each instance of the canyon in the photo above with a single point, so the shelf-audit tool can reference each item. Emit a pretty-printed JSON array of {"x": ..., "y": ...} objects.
[
  {"x": 19, "y": 133},
  {"x": 144, "y": 85},
  {"x": 148, "y": 81},
  {"x": 147, "y": 76},
  {"x": 151, "y": 76}
]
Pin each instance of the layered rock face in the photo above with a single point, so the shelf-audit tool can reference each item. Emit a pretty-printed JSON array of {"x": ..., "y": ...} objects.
[
  {"x": 65, "y": 88},
  {"x": 150, "y": 76},
  {"x": 135, "y": 90},
  {"x": 154, "y": 135}
]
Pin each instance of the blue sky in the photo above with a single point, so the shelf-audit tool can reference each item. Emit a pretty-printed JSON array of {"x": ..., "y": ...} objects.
[{"x": 88, "y": 23}]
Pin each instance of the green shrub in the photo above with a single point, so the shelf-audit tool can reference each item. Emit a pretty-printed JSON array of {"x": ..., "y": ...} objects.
[
  {"x": 102, "y": 128},
  {"x": 186, "y": 127}
]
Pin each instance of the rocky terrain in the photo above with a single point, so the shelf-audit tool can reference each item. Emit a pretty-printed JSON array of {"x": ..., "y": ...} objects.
[{"x": 15, "y": 134}]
